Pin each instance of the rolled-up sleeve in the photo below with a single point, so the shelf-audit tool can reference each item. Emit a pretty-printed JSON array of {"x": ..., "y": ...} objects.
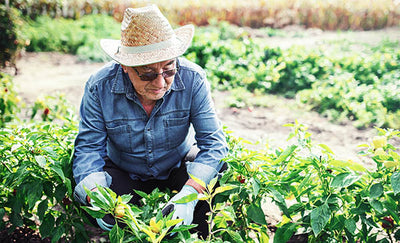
[{"x": 90, "y": 145}]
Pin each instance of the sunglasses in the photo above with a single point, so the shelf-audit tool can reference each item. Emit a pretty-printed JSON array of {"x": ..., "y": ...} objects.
[{"x": 152, "y": 76}]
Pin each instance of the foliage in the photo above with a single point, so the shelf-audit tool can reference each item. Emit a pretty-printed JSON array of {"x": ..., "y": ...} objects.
[
  {"x": 10, "y": 39},
  {"x": 37, "y": 184},
  {"x": 338, "y": 79},
  {"x": 51, "y": 108},
  {"x": 36, "y": 188},
  {"x": 328, "y": 15},
  {"x": 76, "y": 37},
  {"x": 320, "y": 197},
  {"x": 10, "y": 102},
  {"x": 342, "y": 96}
]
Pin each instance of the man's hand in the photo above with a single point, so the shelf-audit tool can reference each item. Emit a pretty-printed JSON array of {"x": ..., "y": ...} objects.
[
  {"x": 183, "y": 210},
  {"x": 93, "y": 190}
]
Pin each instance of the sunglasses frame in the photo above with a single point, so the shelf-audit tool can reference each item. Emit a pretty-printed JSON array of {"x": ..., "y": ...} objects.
[{"x": 163, "y": 74}]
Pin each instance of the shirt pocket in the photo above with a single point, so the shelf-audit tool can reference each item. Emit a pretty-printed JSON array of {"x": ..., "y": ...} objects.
[
  {"x": 121, "y": 137},
  {"x": 176, "y": 130}
]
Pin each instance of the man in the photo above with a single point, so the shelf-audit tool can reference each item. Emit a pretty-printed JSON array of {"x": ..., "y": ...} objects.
[{"x": 136, "y": 114}]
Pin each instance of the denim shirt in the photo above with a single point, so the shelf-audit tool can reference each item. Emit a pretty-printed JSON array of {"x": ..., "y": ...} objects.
[{"x": 114, "y": 124}]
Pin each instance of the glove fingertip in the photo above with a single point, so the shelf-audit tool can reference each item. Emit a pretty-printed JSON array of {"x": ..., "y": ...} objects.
[{"x": 167, "y": 210}]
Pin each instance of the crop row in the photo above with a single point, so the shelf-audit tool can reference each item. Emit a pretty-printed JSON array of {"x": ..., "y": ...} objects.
[
  {"x": 332, "y": 15},
  {"x": 321, "y": 198},
  {"x": 331, "y": 79}
]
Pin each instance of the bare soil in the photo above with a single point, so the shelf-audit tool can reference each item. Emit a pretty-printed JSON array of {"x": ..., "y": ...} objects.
[{"x": 49, "y": 73}]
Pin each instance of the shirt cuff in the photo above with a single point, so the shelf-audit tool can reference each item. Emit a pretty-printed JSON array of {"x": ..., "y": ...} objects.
[
  {"x": 201, "y": 171},
  {"x": 91, "y": 181}
]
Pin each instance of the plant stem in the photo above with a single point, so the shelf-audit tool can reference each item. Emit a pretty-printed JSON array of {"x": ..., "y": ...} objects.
[
  {"x": 210, "y": 220},
  {"x": 8, "y": 168}
]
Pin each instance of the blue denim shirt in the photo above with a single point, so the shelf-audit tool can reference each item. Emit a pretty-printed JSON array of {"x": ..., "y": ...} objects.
[{"x": 114, "y": 124}]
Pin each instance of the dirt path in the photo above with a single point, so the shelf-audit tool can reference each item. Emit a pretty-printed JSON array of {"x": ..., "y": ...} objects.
[{"x": 48, "y": 73}]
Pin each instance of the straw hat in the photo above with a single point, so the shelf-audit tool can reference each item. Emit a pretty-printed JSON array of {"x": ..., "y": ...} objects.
[{"x": 147, "y": 37}]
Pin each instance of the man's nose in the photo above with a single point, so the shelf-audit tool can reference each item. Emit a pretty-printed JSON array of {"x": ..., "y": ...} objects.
[{"x": 159, "y": 82}]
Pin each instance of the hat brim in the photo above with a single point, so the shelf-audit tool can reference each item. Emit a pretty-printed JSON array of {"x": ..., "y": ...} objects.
[{"x": 184, "y": 36}]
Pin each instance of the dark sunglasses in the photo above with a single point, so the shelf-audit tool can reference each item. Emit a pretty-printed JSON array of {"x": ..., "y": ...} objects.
[{"x": 152, "y": 76}]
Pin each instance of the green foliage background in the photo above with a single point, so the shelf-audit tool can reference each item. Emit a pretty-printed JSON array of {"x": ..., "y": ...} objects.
[
  {"x": 334, "y": 200},
  {"x": 341, "y": 80}
]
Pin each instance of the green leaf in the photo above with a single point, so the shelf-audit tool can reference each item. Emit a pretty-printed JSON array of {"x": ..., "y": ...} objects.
[
  {"x": 350, "y": 225},
  {"x": 56, "y": 234},
  {"x": 224, "y": 188},
  {"x": 183, "y": 227},
  {"x": 41, "y": 209},
  {"x": 236, "y": 237},
  {"x": 285, "y": 154},
  {"x": 397, "y": 235},
  {"x": 285, "y": 232},
  {"x": 188, "y": 198},
  {"x": 173, "y": 222},
  {"x": 319, "y": 218},
  {"x": 34, "y": 193},
  {"x": 60, "y": 192},
  {"x": 212, "y": 183},
  {"x": 198, "y": 181},
  {"x": 141, "y": 194},
  {"x": 395, "y": 181},
  {"x": 344, "y": 180},
  {"x": 57, "y": 169},
  {"x": 256, "y": 185},
  {"x": 326, "y": 148},
  {"x": 256, "y": 214},
  {"x": 377, "y": 205},
  {"x": 277, "y": 196},
  {"x": 95, "y": 213},
  {"x": 47, "y": 225},
  {"x": 41, "y": 160},
  {"x": 349, "y": 163},
  {"x": 126, "y": 198},
  {"x": 376, "y": 190},
  {"x": 116, "y": 234}
]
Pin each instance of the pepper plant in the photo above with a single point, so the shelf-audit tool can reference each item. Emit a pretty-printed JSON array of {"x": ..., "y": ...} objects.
[
  {"x": 321, "y": 198},
  {"x": 36, "y": 179}
]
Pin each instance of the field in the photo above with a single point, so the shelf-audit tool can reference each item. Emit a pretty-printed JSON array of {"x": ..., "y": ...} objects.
[
  {"x": 259, "y": 124},
  {"x": 312, "y": 118}
]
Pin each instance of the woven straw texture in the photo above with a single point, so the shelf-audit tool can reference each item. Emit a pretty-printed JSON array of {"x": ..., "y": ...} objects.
[{"x": 146, "y": 26}]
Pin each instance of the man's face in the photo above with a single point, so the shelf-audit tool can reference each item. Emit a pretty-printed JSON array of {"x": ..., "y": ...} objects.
[{"x": 151, "y": 91}]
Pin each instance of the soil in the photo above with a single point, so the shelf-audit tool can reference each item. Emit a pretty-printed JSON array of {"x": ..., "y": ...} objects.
[{"x": 49, "y": 73}]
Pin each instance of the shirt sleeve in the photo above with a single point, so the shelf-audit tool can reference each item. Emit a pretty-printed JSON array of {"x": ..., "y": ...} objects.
[
  {"x": 209, "y": 134},
  {"x": 90, "y": 145}
]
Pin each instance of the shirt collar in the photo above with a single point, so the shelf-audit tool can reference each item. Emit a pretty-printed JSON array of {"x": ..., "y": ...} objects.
[{"x": 121, "y": 82}]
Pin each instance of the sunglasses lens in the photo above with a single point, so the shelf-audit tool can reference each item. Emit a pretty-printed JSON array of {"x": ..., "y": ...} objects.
[
  {"x": 169, "y": 73},
  {"x": 148, "y": 76},
  {"x": 152, "y": 76}
]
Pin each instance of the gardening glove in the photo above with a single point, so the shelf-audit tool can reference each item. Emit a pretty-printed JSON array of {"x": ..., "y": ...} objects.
[
  {"x": 182, "y": 210},
  {"x": 103, "y": 224},
  {"x": 107, "y": 222}
]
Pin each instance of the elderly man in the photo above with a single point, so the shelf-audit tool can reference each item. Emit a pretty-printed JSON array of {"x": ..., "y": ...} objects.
[{"x": 137, "y": 113}]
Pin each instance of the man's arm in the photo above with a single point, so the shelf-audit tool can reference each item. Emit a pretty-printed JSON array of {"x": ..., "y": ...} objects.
[
  {"x": 209, "y": 134},
  {"x": 90, "y": 146}
]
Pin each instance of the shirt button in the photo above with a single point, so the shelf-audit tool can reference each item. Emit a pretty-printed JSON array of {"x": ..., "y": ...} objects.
[
  {"x": 150, "y": 165},
  {"x": 148, "y": 129},
  {"x": 150, "y": 151}
]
